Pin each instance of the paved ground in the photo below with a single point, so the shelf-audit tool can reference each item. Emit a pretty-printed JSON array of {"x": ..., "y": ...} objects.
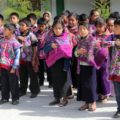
[{"x": 38, "y": 109}]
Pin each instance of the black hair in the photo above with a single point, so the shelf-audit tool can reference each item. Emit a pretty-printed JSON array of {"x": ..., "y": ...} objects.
[
  {"x": 10, "y": 26},
  {"x": 94, "y": 10},
  {"x": 1, "y": 17},
  {"x": 41, "y": 21},
  {"x": 83, "y": 17},
  {"x": 65, "y": 13},
  {"x": 84, "y": 24},
  {"x": 32, "y": 16},
  {"x": 117, "y": 22},
  {"x": 59, "y": 21},
  {"x": 14, "y": 14},
  {"x": 75, "y": 15},
  {"x": 26, "y": 21},
  {"x": 110, "y": 18},
  {"x": 115, "y": 15},
  {"x": 100, "y": 21}
]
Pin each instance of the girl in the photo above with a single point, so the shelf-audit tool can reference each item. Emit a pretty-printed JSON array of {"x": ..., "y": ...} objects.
[
  {"x": 94, "y": 14},
  {"x": 9, "y": 63},
  {"x": 48, "y": 17},
  {"x": 59, "y": 50},
  {"x": 110, "y": 25},
  {"x": 87, "y": 84},
  {"x": 73, "y": 28},
  {"x": 28, "y": 59},
  {"x": 102, "y": 73},
  {"x": 41, "y": 35}
]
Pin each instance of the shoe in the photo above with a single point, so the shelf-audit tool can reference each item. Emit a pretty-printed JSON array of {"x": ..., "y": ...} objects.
[
  {"x": 50, "y": 86},
  {"x": 92, "y": 106},
  {"x": 63, "y": 103},
  {"x": 33, "y": 95},
  {"x": 84, "y": 107},
  {"x": 21, "y": 94},
  {"x": 117, "y": 114},
  {"x": 54, "y": 102},
  {"x": 15, "y": 102},
  {"x": 71, "y": 97},
  {"x": 4, "y": 101}
]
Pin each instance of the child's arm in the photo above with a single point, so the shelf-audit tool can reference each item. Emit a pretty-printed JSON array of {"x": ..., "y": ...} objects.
[{"x": 16, "y": 61}]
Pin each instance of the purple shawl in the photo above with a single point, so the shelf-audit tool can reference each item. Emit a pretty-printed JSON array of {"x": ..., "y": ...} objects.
[{"x": 64, "y": 49}]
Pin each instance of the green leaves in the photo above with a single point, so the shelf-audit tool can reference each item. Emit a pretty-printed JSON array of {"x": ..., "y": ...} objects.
[{"x": 104, "y": 6}]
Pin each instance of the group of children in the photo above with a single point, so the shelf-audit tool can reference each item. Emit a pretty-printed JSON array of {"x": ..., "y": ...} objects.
[{"x": 75, "y": 51}]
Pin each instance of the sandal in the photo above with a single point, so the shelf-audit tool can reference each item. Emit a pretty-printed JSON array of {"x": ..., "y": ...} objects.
[
  {"x": 92, "y": 106},
  {"x": 83, "y": 107}
]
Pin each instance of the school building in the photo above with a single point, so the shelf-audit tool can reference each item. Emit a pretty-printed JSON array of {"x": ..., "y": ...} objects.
[{"x": 79, "y": 6}]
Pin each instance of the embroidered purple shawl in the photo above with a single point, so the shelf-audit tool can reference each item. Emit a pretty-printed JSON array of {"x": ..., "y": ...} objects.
[{"x": 64, "y": 49}]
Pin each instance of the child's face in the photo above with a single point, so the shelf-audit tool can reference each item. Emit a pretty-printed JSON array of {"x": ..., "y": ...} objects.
[
  {"x": 14, "y": 19},
  {"x": 58, "y": 29},
  {"x": 72, "y": 21},
  {"x": 41, "y": 27},
  {"x": 65, "y": 19},
  {"x": 23, "y": 27},
  {"x": 33, "y": 22},
  {"x": 95, "y": 15},
  {"x": 100, "y": 28},
  {"x": 46, "y": 17},
  {"x": 7, "y": 32},
  {"x": 83, "y": 31},
  {"x": 117, "y": 29},
  {"x": 110, "y": 25},
  {"x": 1, "y": 22}
]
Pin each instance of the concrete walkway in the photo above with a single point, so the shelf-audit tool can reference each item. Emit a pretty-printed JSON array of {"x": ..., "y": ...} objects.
[{"x": 38, "y": 109}]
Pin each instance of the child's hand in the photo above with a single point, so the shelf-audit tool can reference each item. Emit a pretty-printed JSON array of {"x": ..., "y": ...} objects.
[
  {"x": 97, "y": 44},
  {"x": 21, "y": 38},
  {"x": 12, "y": 71},
  {"x": 54, "y": 46},
  {"x": 117, "y": 42},
  {"x": 81, "y": 51}
]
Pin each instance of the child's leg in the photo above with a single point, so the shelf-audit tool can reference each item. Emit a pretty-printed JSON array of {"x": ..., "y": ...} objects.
[
  {"x": 117, "y": 93},
  {"x": 14, "y": 86},
  {"x": 102, "y": 79},
  {"x": 34, "y": 85},
  {"x": 41, "y": 72},
  {"x": 5, "y": 84},
  {"x": 23, "y": 78}
]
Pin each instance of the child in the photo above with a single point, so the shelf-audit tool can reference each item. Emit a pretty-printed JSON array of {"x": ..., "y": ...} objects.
[
  {"x": 94, "y": 14},
  {"x": 1, "y": 26},
  {"x": 48, "y": 17},
  {"x": 33, "y": 18},
  {"x": 73, "y": 28},
  {"x": 1, "y": 35},
  {"x": 87, "y": 83},
  {"x": 83, "y": 18},
  {"x": 110, "y": 25},
  {"x": 102, "y": 73},
  {"x": 28, "y": 59},
  {"x": 9, "y": 63},
  {"x": 14, "y": 18},
  {"x": 41, "y": 35},
  {"x": 59, "y": 49},
  {"x": 115, "y": 66}
]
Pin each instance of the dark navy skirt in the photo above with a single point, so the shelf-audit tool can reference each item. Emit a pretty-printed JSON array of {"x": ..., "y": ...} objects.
[{"x": 87, "y": 84}]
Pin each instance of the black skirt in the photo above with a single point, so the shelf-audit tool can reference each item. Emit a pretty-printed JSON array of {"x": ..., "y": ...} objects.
[
  {"x": 59, "y": 78},
  {"x": 87, "y": 84}
]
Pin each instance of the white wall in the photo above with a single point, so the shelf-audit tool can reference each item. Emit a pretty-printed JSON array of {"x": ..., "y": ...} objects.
[
  {"x": 115, "y": 5},
  {"x": 79, "y": 6}
]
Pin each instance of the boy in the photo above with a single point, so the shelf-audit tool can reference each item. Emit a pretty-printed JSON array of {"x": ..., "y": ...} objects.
[
  {"x": 33, "y": 19},
  {"x": 28, "y": 57},
  {"x": 14, "y": 18}
]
